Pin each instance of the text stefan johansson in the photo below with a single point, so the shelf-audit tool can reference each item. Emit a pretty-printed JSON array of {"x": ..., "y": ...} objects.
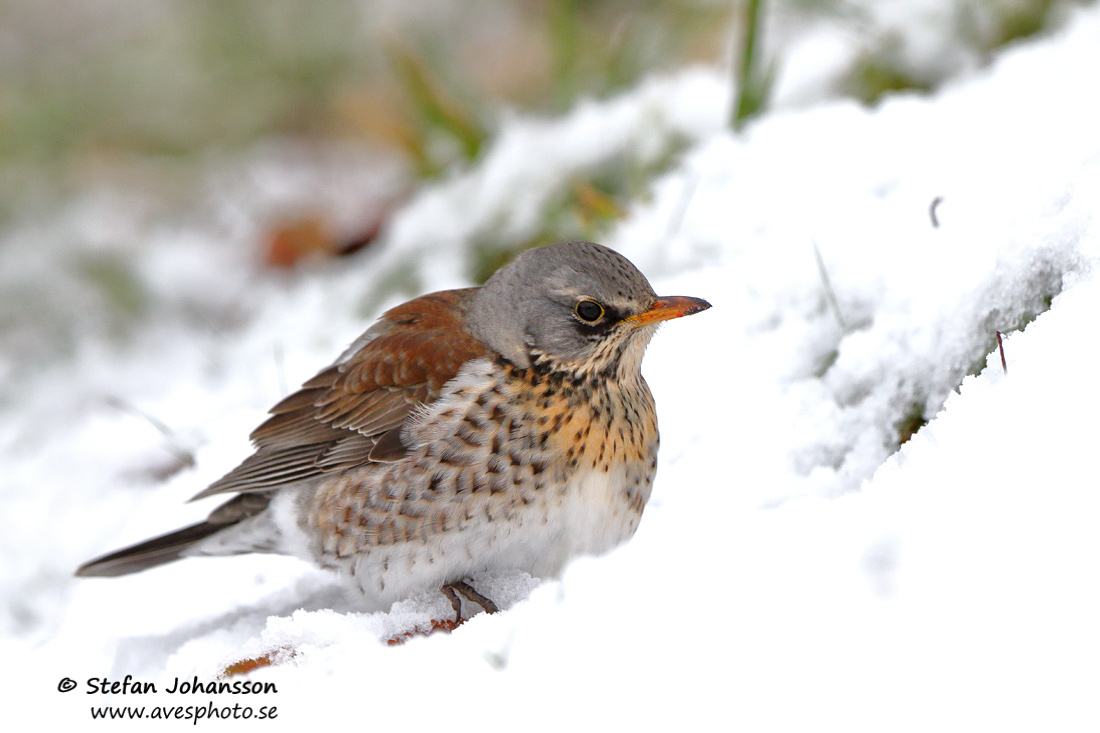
[{"x": 130, "y": 686}]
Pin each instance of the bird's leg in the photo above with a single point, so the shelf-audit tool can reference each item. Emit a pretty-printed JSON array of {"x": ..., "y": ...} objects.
[
  {"x": 472, "y": 595},
  {"x": 456, "y": 602}
]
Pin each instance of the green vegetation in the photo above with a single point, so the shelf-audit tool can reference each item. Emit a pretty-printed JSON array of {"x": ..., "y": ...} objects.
[
  {"x": 161, "y": 86},
  {"x": 752, "y": 85}
]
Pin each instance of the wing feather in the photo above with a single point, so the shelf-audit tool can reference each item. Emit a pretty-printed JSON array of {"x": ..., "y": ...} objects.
[{"x": 335, "y": 420}]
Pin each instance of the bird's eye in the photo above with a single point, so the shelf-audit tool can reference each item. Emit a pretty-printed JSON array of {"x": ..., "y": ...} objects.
[{"x": 589, "y": 311}]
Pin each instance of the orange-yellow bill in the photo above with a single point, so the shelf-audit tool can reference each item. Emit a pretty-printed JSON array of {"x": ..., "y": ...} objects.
[{"x": 667, "y": 308}]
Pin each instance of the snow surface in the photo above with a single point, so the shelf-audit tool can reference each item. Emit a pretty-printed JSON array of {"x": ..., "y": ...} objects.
[{"x": 794, "y": 570}]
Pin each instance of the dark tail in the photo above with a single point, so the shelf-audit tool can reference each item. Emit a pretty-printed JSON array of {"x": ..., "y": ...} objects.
[
  {"x": 148, "y": 554},
  {"x": 173, "y": 546}
]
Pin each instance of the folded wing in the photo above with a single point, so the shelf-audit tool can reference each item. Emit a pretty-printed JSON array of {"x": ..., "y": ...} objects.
[{"x": 351, "y": 413}]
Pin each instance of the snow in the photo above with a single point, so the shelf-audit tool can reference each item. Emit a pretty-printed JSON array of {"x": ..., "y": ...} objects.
[{"x": 795, "y": 570}]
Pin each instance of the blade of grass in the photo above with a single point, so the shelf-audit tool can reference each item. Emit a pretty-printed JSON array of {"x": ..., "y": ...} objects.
[
  {"x": 438, "y": 108},
  {"x": 752, "y": 87}
]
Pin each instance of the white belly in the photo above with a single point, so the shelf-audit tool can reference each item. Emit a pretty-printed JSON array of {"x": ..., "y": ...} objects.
[{"x": 590, "y": 516}]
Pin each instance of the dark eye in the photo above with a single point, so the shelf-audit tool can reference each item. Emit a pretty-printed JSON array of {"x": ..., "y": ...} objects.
[{"x": 589, "y": 310}]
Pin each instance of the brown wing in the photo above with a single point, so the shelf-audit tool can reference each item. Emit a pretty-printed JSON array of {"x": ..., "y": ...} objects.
[{"x": 338, "y": 418}]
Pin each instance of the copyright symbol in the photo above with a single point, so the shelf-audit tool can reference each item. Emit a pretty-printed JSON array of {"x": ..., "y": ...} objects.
[{"x": 66, "y": 685}]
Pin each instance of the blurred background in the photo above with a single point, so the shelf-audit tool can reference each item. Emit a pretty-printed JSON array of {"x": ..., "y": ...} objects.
[{"x": 272, "y": 136}]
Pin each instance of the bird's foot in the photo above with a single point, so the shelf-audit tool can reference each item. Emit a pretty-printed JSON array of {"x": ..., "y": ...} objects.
[{"x": 451, "y": 590}]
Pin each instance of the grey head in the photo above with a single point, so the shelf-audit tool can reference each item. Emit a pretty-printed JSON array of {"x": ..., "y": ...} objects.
[{"x": 577, "y": 306}]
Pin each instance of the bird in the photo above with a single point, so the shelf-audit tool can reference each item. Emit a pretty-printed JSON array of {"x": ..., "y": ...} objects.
[{"x": 488, "y": 429}]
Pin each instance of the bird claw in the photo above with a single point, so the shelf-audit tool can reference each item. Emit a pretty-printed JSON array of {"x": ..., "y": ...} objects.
[{"x": 451, "y": 590}]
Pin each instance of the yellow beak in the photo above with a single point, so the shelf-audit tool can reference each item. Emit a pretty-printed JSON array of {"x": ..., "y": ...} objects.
[{"x": 667, "y": 308}]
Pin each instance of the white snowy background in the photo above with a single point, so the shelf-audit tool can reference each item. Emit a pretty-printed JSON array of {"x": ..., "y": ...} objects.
[{"x": 795, "y": 569}]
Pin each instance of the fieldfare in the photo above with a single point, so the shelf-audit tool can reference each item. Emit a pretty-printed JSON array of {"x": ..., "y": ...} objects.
[{"x": 491, "y": 429}]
